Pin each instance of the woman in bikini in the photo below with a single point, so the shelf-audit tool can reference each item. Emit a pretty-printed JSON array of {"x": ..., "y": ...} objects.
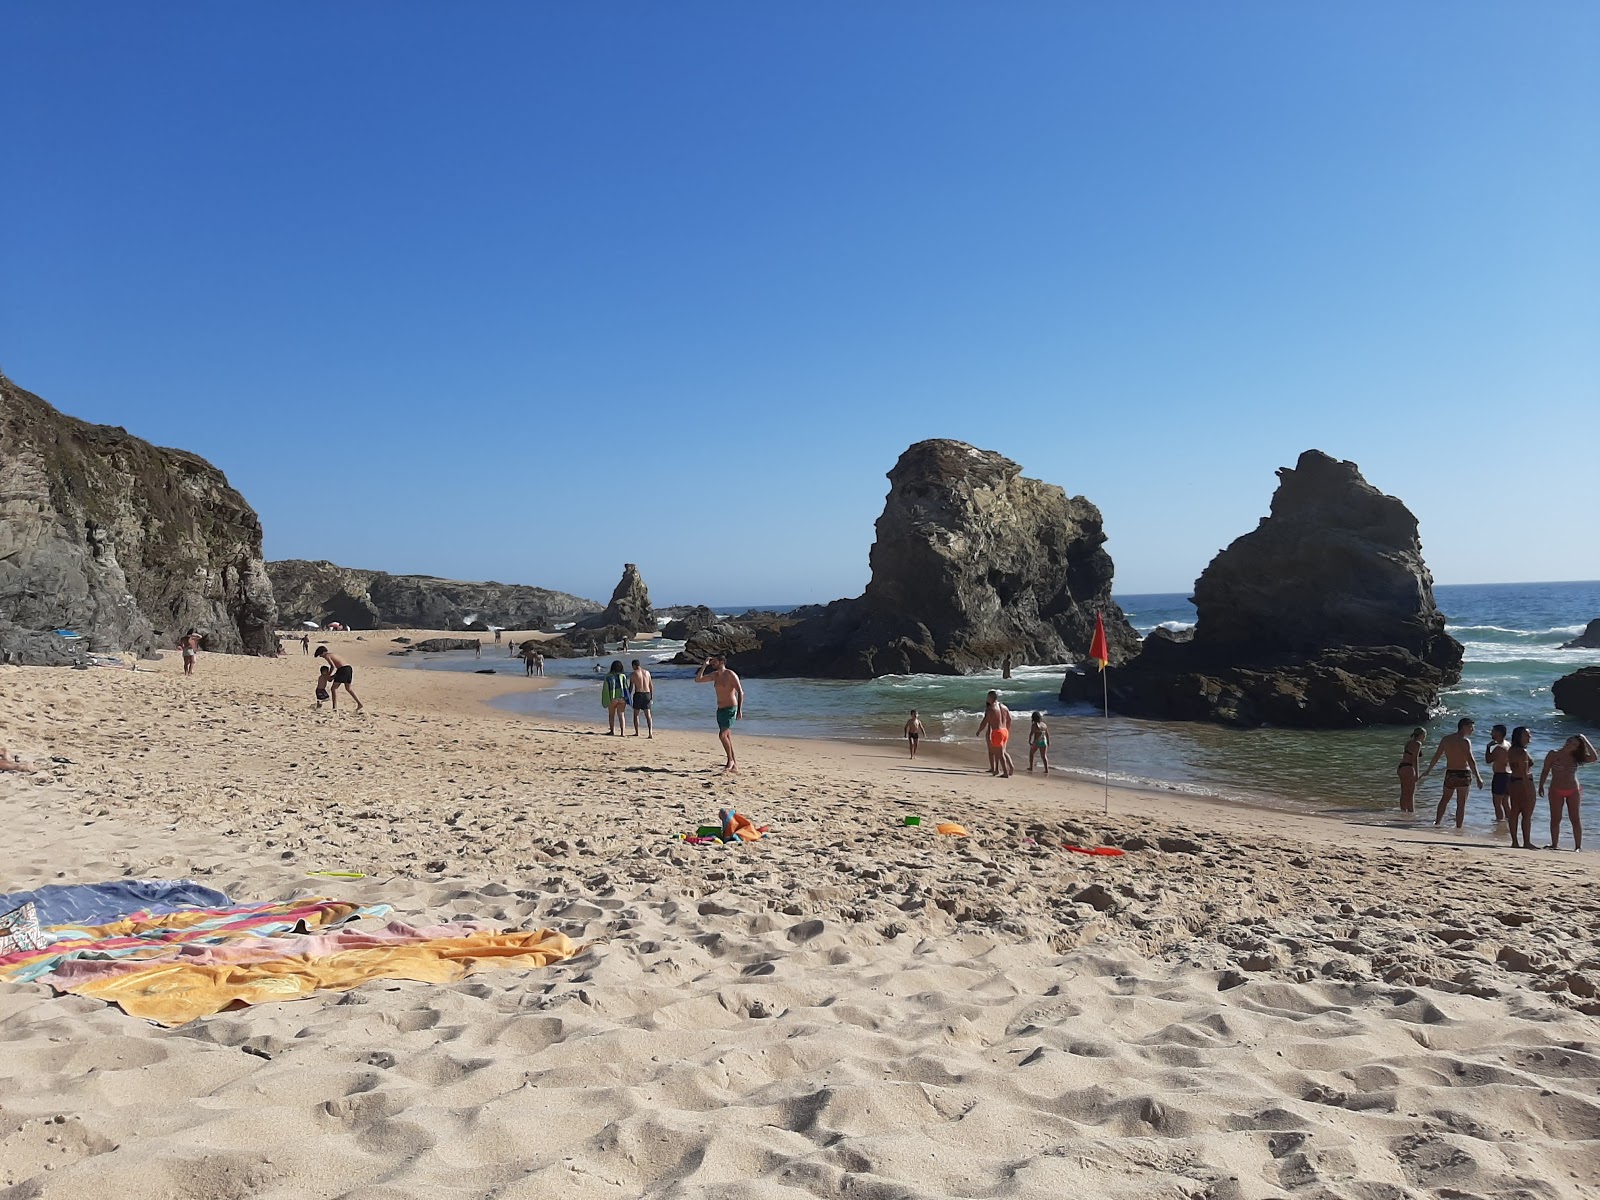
[
  {"x": 1039, "y": 742},
  {"x": 1561, "y": 769},
  {"x": 1410, "y": 766},
  {"x": 1522, "y": 792}
]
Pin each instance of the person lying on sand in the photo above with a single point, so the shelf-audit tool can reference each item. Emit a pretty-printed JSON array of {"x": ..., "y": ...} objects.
[
  {"x": 1461, "y": 770},
  {"x": 1561, "y": 769},
  {"x": 7, "y": 763}
]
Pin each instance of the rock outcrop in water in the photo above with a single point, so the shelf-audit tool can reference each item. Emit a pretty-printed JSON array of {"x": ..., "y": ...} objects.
[
  {"x": 1578, "y": 694},
  {"x": 1589, "y": 639},
  {"x": 320, "y": 591},
  {"x": 682, "y": 628},
  {"x": 973, "y": 562},
  {"x": 1323, "y": 616},
  {"x": 130, "y": 544}
]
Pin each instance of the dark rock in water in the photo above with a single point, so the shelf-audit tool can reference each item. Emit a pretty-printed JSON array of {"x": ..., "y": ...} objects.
[
  {"x": 690, "y": 623},
  {"x": 1322, "y": 617},
  {"x": 1578, "y": 694},
  {"x": 130, "y": 544},
  {"x": 973, "y": 562},
  {"x": 1589, "y": 639},
  {"x": 322, "y": 592},
  {"x": 728, "y": 638},
  {"x": 629, "y": 610},
  {"x": 440, "y": 645},
  {"x": 484, "y": 671}
]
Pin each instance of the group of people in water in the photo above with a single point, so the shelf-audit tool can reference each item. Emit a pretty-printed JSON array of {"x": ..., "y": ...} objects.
[{"x": 1512, "y": 786}]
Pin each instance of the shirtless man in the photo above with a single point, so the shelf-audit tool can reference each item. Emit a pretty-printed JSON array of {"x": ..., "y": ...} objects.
[
  {"x": 528, "y": 655},
  {"x": 730, "y": 701},
  {"x": 1561, "y": 769},
  {"x": 1497, "y": 754},
  {"x": 305, "y": 643},
  {"x": 644, "y": 692},
  {"x": 995, "y": 729},
  {"x": 189, "y": 643},
  {"x": 914, "y": 732},
  {"x": 343, "y": 676},
  {"x": 1461, "y": 770}
]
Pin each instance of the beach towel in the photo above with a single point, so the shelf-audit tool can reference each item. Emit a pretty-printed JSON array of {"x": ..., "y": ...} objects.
[
  {"x": 97, "y": 903},
  {"x": 176, "y": 993},
  {"x": 19, "y": 930},
  {"x": 613, "y": 689}
]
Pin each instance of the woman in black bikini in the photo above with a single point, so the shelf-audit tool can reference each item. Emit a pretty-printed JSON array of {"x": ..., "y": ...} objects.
[
  {"x": 1522, "y": 796},
  {"x": 1410, "y": 765}
]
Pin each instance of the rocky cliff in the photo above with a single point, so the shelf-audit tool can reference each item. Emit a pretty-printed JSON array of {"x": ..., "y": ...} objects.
[
  {"x": 972, "y": 562},
  {"x": 320, "y": 591},
  {"x": 1578, "y": 694},
  {"x": 128, "y": 543},
  {"x": 1322, "y": 616}
]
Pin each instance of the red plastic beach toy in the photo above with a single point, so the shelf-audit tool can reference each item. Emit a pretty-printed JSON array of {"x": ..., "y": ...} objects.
[{"x": 1105, "y": 851}]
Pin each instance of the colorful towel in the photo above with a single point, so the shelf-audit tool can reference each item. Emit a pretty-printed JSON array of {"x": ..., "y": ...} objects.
[
  {"x": 19, "y": 930},
  {"x": 176, "y": 993},
  {"x": 97, "y": 903}
]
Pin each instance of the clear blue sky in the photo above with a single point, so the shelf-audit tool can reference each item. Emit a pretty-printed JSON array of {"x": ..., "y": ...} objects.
[{"x": 523, "y": 291}]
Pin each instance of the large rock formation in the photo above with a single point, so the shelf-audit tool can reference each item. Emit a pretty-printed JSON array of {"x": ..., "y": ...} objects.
[
  {"x": 1578, "y": 694},
  {"x": 972, "y": 563},
  {"x": 629, "y": 611},
  {"x": 320, "y": 591},
  {"x": 128, "y": 543},
  {"x": 1322, "y": 616},
  {"x": 682, "y": 628},
  {"x": 1589, "y": 639}
]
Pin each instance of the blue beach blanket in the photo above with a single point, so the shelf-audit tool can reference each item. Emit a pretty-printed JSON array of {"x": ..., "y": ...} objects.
[{"x": 102, "y": 903}]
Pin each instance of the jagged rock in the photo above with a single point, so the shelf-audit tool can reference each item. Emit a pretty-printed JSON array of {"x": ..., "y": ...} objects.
[
  {"x": 1589, "y": 639},
  {"x": 690, "y": 623},
  {"x": 729, "y": 638},
  {"x": 130, "y": 544},
  {"x": 973, "y": 562},
  {"x": 321, "y": 591},
  {"x": 1578, "y": 694},
  {"x": 628, "y": 613},
  {"x": 1323, "y": 616},
  {"x": 440, "y": 645}
]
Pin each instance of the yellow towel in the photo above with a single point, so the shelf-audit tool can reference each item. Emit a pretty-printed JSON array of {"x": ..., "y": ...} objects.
[
  {"x": 172, "y": 994},
  {"x": 951, "y": 828}
]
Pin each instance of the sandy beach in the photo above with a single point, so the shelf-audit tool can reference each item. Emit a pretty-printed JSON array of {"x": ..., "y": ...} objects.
[{"x": 1246, "y": 1004}]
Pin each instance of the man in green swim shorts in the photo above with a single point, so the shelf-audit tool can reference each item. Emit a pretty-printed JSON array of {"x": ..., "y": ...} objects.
[{"x": 730, "y": 701}]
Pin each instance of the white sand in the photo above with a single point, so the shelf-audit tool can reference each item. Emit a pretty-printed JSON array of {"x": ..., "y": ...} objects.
[{"x": 1271, "y": 1005}]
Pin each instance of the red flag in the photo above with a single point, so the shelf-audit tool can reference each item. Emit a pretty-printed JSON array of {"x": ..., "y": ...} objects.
[{"x": 1097, "y": 648}]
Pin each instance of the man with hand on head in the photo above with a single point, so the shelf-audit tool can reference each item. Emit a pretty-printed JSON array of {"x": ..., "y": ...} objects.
[{"x": 730, "y": 701}]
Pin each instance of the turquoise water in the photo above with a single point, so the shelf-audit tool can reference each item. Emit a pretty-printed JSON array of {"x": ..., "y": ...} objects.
[{"x": 1510, "y": 632}]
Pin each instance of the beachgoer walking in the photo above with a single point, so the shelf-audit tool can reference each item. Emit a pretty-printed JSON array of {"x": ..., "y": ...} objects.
[
  {"x": 1039, "y": 742},
  {"x": 995, "y": 729},
  {"x": 730, "y": 701},
  {"x": 1561, "y": 769},
  {"x": 305, "y": 643},
  {"x": 1497, "y": 755},
  {"x": 1410, "y": 765},
  {"x": 1461, "y": 770},
  {"x": 614, "y": 695},
  {"x": 1522, "y": 796},
  {"x": 343, "y": 677},
  {"x": 914, "y": 732},
  {"x": 644, "y": 693},
  {"x": 323, "y": 678},
  {"x": 189, "y": 643}
]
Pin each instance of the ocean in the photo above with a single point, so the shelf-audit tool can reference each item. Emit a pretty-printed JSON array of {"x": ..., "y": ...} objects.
[{"x": 1510, "y": 632}]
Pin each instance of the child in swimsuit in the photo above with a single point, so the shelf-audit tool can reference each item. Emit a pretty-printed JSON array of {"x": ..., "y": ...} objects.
[
  {"x": 1039, "y": 742},
  {"x": 322, "y": 685},
  {"x": 914, "y": 732}
]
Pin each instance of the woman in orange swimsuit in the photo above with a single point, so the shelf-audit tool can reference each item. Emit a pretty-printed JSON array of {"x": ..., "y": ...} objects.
[{"x": 1561, "y": 769}]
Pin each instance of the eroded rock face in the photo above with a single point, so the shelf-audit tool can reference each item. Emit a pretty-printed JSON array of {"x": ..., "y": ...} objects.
[
  {"x": 1578, "y": 694},
  {"x": 320, "y": 591},
  {"x": 1322, "y": 616},
  {"x": 972, "y": 562},
  {"x": 629, "y": 611},
  {"x": 1589, "y": 639},
  {"x": 681, "y": 629},
  {"x": 128, "y": 543}
]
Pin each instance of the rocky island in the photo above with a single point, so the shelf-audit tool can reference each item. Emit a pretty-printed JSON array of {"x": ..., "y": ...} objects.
[{"x": 1322, "y": 616}]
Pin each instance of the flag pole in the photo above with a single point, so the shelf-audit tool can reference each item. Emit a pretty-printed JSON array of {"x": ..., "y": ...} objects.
[{"x": 1105, "y": 738}]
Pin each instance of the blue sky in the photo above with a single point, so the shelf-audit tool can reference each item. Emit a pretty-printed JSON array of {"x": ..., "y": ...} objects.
[{"x": 524, "y": 291}]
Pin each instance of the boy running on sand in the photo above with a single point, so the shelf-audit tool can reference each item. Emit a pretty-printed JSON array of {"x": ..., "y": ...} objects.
[
  {"x": 1039, "y": 742},
  {"x": 914, "y": 732},
  {"x": 1461, "y": 770}
]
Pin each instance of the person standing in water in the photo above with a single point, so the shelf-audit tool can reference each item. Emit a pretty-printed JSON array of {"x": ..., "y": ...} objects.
[
  {"x": 1039, "y": 742},
  {"x": 1522, "y": 797},
  {"x": 614, "y": 695},
  {"x": 995, "y": 729},
  {"x": 730, "y": 701},
  {"x": 1461, "y": 770},
  {"x": 914, "y": 732},
  {"x": 343, "y": 676},
  {"x": 644, "y": 694},
  {"x": 1561, "y": 769},
  {"x": 1497, "y": 754},
  {"x": 1410, "y": 765}
]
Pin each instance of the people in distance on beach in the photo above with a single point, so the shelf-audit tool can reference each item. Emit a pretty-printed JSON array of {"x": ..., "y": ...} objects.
[
  {"x": 1461, "y": 770},
  {"x": 538, "y": 662},
  {"x": 995, "y": 730},
  {"x": 644, "y": 694},
  {"x": 914, "y": 732},
  {"x": 1497, "y": 754},
  {"x": 323, "y": 678},
  {"x": 7, "y": 763},
  {"x": 528, "y": 655},
  {"x": 305, "y": 643},
  {"x": 189, "y": 643},
  {"x": 1561, "y": 770},
  {"x": 1005, "y": 667},
  {"x": 496, "y": 637},
  {"x": 730, "y": 702},
  {"x": 1039, "y": 742},
  {"x": 1521, "y": 797},
  {"x": 1409, "y": 768},
  {"x": 343, "y": 677},
  {"x": 614, "y": 695}
]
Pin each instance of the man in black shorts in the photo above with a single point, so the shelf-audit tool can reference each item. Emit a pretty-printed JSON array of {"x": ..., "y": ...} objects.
[
  {"x": 1461, "y": 770},
  {"x": 343, "y": 676},
  {"x": 644, "y": 691}
]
